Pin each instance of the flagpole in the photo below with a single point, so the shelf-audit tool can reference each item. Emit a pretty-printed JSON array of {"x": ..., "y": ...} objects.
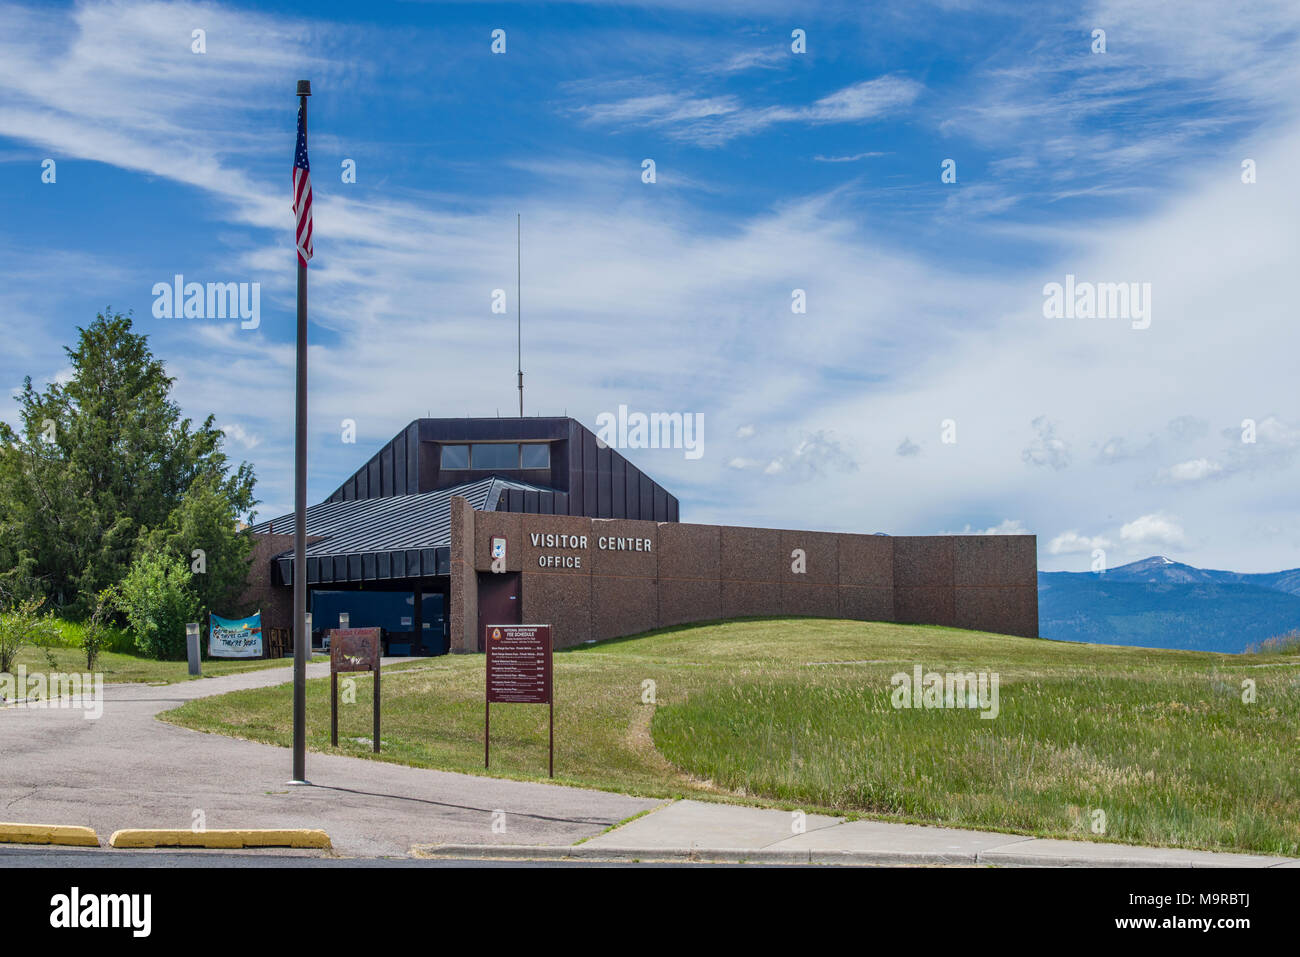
[
  {"x": 302, "y": 640},
  {"x": 519, "y": 320}
]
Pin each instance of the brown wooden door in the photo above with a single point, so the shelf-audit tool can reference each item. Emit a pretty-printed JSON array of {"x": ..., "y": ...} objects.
[{"x": 498, "y": 601}]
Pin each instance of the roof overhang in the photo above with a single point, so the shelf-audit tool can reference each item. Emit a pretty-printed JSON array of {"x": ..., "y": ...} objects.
[{"x": 398, "y": 537}]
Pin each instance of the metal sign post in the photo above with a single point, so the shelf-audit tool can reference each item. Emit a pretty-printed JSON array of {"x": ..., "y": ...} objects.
[{"x": 519, "y": 671}]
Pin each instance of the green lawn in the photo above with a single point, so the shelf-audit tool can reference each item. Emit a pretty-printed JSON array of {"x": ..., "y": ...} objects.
[
  {"x": 119, "y": 666},
  {"x": 797, "y": 713}
]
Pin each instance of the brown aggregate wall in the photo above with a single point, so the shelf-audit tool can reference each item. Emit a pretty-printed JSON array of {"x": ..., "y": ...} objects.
[
  {"x": 591, "y": 590},
  {"x": 275, "y": 602},
  {"x": 463, "y": 627}
]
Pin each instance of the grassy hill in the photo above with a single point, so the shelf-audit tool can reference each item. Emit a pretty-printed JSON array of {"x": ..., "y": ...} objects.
[{"x": 798, "y": 713}]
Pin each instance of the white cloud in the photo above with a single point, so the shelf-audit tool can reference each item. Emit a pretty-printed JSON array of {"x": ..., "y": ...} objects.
[
  {"x": 112, "y": 82},
  {"x": 604, "y": 266},
  {"x": 853, "y": 158},
  {"x": 237, "y": 433},
  {"x": 1071, "y": 543},
  {"x": 765, "y": 59},
  {"x": 861, "y": 101},
  {"x": 1274, "y": 431},
  {"x": 1048, "y": 448},
  {"x": 1008, "y": 526},
  {"x": 1193, "y": 470},
  {"x": 714, "y": 120},
  {"x": 660, "y": 109},
  {"x": 1154, "y": 529},
  {"x": 814, "y": 454},
  {"x": 1042, "y": 112},
  {"x": 1116, "y": 449},
  {"x": 1187, "y": 428}
]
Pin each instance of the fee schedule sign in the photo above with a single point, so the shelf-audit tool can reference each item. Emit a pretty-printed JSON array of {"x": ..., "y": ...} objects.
[
  {"x": 518, "y": 672},
  {"x": 518, "y": 663}
]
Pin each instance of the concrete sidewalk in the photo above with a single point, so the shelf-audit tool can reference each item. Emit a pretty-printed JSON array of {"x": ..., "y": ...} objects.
[{"x": 695, "y": 830}]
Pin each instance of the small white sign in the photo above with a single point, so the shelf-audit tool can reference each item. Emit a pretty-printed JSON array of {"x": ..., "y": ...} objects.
[{"x": 498, "y": 548}]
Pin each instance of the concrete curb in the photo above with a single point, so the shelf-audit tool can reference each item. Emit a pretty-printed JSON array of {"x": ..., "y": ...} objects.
[
  {"x": 224, "y": 839},
  {"x": 1000, "y": 858},
  {"x": 68, "y": 835},
  {"x": 523, "y": 852},
  {"x": 714, "y": 855},
  {"x": 776, "y": 855}
]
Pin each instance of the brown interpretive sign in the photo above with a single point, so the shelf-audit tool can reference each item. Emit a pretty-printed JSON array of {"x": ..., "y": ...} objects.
[
  {"x": 518, "y": 672},
  {"x": 353, "y": 649}
]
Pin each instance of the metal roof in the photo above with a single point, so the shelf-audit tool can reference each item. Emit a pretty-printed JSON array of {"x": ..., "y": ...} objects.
[
  {"x": 396, "y": 522},
  {"x": 587, "y": 477}
]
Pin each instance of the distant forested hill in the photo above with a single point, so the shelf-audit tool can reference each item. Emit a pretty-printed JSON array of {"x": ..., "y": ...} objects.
[{"x": 1158, "y": 603}]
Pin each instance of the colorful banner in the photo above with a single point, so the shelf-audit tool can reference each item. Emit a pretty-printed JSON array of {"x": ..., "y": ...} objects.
[{"x": 235, "y": 639}]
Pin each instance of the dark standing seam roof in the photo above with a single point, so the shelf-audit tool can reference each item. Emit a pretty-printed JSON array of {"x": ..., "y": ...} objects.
[{"x": 396, "y": 522}]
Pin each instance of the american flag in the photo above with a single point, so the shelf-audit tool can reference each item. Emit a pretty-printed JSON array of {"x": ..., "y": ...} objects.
[{"x": 302, "y": 191}]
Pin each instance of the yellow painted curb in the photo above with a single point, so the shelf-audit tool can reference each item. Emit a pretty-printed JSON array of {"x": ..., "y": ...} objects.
[
  {"x": 233, "y": 838},
  {"x": 66, "y": 834}
]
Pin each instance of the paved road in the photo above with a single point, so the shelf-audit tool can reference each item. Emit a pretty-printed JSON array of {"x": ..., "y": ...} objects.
[
  {"x": 62, "y": 858},
  {"x": 128, "y": 769}
]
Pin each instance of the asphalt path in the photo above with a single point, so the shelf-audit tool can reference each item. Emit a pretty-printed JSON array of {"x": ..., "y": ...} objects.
[
  {"x": 128, "y": 769},
  {"x": 12, "y": 858}
]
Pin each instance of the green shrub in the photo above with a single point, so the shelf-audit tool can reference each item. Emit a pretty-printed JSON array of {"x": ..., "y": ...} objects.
[
  {"x": 96, "y": 634},
  {"x": 157, "y": 598},
  {"x": 1278, "y": 644},
  {"x": 23, "y": 624}
]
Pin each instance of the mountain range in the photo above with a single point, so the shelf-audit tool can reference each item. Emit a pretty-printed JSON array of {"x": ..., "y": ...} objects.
[{"x": 1161, "y": 603}]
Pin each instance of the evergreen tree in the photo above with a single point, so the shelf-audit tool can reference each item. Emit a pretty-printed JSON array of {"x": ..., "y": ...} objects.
[{"x": 98, "y": 460}]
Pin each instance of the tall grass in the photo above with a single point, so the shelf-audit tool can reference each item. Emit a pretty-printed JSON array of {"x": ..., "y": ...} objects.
[
  {"x": 798, "y": 713},
  {"x": 71, "y": 634},
  {"x": 1287, "y": 644},
  {"x": 1171, "y": 760}
]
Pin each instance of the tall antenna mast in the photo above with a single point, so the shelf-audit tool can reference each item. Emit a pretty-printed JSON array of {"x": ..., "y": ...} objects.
[{"x": 519, "y": 323}]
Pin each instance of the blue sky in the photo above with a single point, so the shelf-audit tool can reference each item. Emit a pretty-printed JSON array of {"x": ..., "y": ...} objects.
[{"x": 776, "y": 171}]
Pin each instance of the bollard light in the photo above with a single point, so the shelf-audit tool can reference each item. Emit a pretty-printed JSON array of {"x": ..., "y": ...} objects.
[{"x": 192, "y": 647}]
